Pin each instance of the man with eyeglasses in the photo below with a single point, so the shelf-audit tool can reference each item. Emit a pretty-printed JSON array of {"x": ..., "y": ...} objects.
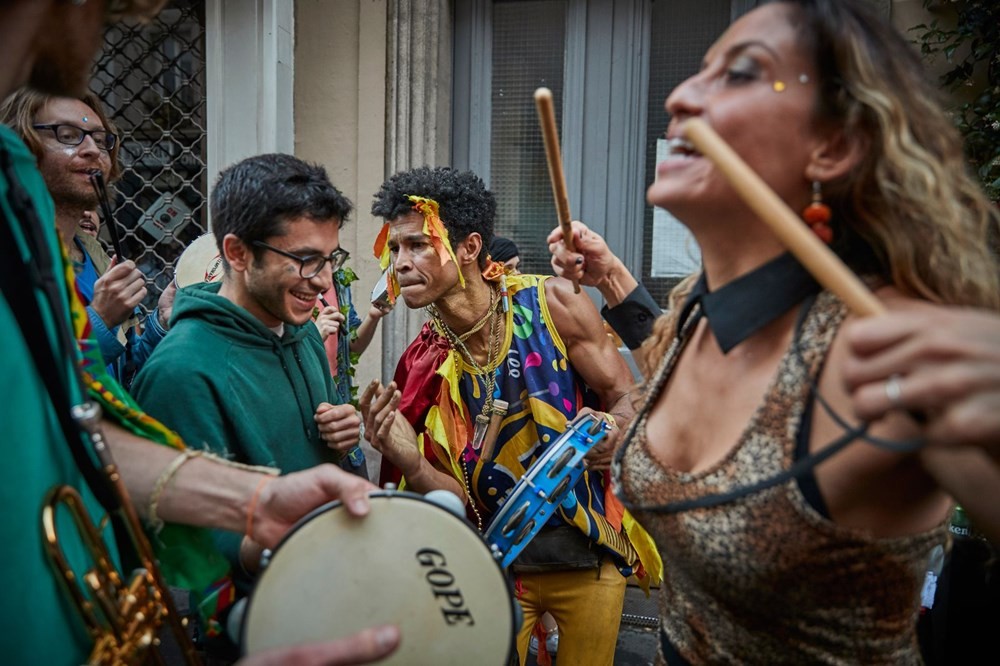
[
  {"x": 72, "y": 138},
  {"x": 244, "y": 372}
]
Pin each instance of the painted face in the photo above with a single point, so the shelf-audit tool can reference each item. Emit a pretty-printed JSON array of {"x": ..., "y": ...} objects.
[
  {"x": 66, "y": 169},
  {"x": 756, "y": 90},
  {"x": 276, "y": 292},
  {"x": 422, "y": 278}
]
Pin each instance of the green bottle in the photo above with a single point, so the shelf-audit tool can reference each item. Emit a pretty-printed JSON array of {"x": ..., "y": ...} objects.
[{"x": 960, "y": 526}]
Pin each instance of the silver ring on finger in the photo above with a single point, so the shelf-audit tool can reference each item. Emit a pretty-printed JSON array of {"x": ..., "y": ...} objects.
[{"x": 894, "y": 391}]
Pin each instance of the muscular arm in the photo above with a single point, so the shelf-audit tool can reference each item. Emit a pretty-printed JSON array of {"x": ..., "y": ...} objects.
[
  {"x": 630, "y": 309},
  {"x": 590, "y": 350}
]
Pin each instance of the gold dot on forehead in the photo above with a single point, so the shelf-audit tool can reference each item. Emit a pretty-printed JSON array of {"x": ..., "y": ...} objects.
[{"x": 779, "y": 86}]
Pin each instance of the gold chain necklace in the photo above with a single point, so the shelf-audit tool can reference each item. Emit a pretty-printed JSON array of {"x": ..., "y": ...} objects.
[
  {"x": 457, "y": 342},
  {"x": 488, "y": 374}
]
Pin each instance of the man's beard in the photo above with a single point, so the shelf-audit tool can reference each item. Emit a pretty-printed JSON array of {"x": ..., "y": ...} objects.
[{"x": 74, "y": 199}]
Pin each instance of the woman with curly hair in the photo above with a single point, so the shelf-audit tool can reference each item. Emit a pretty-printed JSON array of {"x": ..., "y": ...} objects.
[{"x": 756, "y": 373}]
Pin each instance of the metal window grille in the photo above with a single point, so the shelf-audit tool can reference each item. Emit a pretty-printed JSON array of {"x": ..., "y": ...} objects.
[
  {"x": 528, "y": 52},
  {"x": 151, "y": 79}
]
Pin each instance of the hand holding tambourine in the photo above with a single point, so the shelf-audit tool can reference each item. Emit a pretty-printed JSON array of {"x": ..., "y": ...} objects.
[{"x": 599, "y": 457}]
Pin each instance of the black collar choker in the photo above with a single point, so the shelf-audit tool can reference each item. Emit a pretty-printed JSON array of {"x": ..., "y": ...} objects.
[{"x": 742, "y": 307}]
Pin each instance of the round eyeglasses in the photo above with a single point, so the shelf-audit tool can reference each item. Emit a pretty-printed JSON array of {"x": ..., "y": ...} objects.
[
  {"x": 310, "y": 267},
  {"x": 71, "y": 135}
]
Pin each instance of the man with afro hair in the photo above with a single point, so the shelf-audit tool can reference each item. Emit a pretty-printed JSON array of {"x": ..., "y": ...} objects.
[{"x": 493, "y": 338}]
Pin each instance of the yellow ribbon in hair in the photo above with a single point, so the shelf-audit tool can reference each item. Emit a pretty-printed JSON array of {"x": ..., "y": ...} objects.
[
  {"x": 381, "y": 251},
  {"x": 435, "y": 230},
  {"x": 381, "y": 247},
  {"x": 393, "y": 285}
]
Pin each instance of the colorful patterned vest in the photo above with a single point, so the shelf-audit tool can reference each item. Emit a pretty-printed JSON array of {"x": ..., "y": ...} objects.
[{"x": 544, "y": 393}]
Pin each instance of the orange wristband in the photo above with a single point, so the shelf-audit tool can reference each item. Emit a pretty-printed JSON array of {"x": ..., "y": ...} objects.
[{"x": 252, "y": 506}]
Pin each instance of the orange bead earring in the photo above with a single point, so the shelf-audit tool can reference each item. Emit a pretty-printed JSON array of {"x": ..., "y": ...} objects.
[{"x": 817, "y": 215}]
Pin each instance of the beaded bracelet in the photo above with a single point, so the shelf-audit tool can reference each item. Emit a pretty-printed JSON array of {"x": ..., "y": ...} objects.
[{"x": 155, "y": 523}]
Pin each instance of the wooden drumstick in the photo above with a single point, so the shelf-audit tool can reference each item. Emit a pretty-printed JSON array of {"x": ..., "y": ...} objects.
[
  {"x": 547, "y": 121},
  {"x": 816, "y": 256}
]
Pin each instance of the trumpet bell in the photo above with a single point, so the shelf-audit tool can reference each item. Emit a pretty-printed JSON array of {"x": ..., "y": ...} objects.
[{"x": 122, "y": 620}]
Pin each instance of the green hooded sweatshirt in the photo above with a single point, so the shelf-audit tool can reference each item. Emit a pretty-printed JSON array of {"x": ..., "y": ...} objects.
[{"x": 226, "y": 383}]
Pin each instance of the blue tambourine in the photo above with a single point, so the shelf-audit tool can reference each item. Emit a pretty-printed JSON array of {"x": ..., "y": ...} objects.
[{"x": 547, "y": 484}]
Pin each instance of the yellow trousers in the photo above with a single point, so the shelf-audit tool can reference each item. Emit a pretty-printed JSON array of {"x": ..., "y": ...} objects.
[{"x": 587, "y": 606}]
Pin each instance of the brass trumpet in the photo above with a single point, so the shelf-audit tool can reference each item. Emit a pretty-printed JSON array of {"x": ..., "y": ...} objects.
[{"x": 123, "y": 620}]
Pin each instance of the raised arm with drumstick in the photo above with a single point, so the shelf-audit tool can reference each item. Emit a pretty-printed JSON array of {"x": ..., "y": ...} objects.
[
  {"x": 758, "y": 366},
  {"x": 553, "y": 157}
]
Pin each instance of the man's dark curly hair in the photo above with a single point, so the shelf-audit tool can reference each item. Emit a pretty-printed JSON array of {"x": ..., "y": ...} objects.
[
  {"x": 254, "y": 198},
  {"x": 464, "y": 202}
]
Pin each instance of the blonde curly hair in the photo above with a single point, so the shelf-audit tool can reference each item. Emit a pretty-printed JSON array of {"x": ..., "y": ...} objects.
[{"x": 911, "y": 211}]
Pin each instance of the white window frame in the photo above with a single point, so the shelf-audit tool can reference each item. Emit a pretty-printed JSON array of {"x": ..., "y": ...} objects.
[
  {"x": 603, "y": 111},
  {"x": 249, "y": 70}
]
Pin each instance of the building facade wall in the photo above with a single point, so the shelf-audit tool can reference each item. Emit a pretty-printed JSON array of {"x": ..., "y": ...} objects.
[
  {"x": 344, "y": 82},
  {"x": 340, "y": 120}
]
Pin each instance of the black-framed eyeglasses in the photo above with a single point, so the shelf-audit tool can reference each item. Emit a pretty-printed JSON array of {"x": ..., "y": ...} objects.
[
  {"x": 310, "y": 267},
  {"x": 71, "y": 135}
]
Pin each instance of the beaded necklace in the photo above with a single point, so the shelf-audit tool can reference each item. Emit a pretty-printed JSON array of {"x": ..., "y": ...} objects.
[{"x": 487, "y": 373}]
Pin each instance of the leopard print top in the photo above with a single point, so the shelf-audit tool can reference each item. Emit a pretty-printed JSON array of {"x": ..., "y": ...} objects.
[{"x": 766, "y": 579}]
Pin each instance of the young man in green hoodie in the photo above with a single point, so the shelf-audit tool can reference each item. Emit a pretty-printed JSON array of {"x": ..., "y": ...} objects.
[{"x": 244, "y": 373}]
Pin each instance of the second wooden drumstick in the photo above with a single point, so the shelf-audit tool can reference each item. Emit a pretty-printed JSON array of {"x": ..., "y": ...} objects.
[
  {"x": 547, "y": 121},
  {"x": 818, "y": 259}
]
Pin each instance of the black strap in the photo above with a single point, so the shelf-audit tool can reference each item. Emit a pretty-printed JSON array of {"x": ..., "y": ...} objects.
[
  {"x": 802, "y": 466},
  {"x": 20, "y": 296}
]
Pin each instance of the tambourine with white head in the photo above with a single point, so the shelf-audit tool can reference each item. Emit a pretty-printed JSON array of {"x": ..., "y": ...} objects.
[
  {"x": 200, "y": 262},
  {"x": 548, "y": 483},
  {"x": 411, "y": 562}
]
